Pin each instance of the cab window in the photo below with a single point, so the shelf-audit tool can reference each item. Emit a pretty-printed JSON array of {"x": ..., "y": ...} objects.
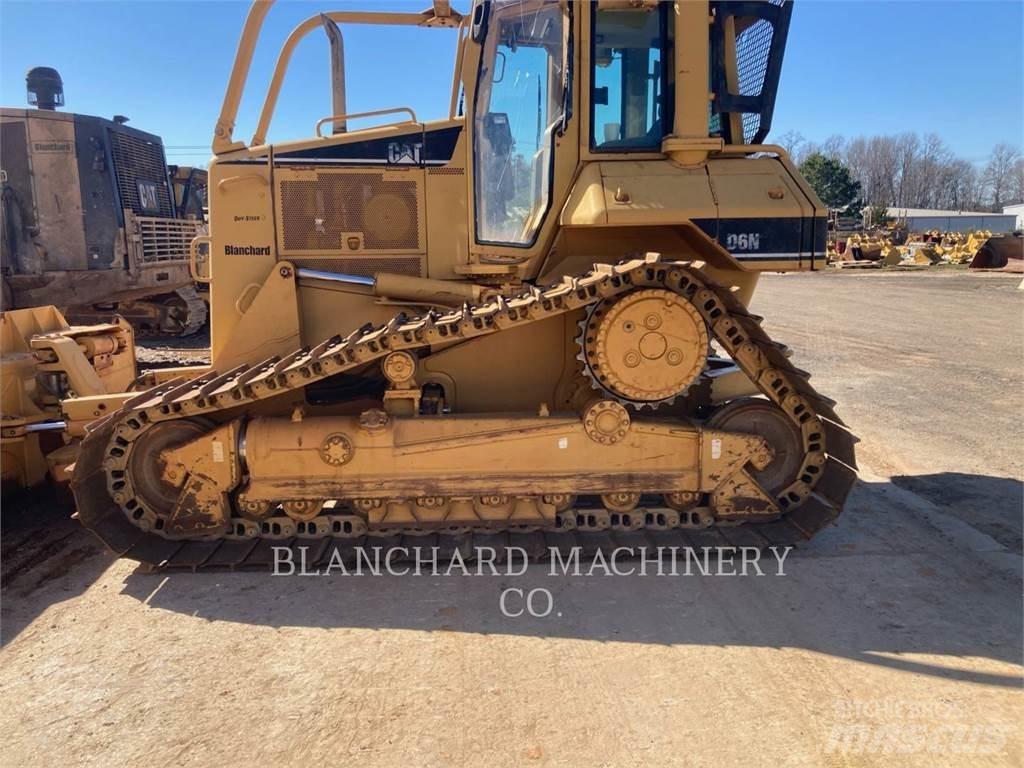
[
  {"x": 519, "y": 108},
  {"x": 628, "y": 110}
]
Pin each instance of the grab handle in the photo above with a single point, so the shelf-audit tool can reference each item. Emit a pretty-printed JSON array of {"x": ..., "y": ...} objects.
[
  {"x": 353, "y": 116},
  {"x": 193, "y": 258}
]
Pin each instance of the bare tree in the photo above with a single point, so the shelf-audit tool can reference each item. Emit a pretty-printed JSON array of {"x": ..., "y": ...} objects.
[
  {"x": 791, "y": 141},
  {"x": 913, "y": 171},
  {"x": 884, "y": 169},
  {"x": 926, "y": 185},
  {"x": 962, "y": 186},
  {"x": 833, "y": 147},
  {"x": 998, "y": 175},
  {"x": 858, "y": 158},
  {"x": 799, "y": 148},
  {"x": 908, "y": 146},
  {"x": 1018, "y": 181},
  {"x": 805, "y": 150}
]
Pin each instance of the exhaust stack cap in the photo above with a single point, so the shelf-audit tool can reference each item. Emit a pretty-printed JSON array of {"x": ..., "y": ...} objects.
[{"x": 45, "y": 88}]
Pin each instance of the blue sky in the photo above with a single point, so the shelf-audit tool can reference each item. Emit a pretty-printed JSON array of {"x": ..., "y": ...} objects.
[{"x": 955, "y": 68}]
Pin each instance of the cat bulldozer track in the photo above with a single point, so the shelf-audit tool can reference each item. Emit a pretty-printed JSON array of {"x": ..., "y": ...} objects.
[
  {"x": 465, "y": 332},
  {"x": 181, "y": 313},
  {"x": 130, "y": 499}
]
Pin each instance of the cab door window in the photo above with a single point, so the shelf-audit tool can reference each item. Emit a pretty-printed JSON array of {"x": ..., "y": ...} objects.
[{"x": 519, "y": 107}]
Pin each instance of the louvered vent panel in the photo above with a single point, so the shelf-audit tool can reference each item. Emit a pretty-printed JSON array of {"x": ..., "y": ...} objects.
[
  {"x": 166, "y": 239},
  {"x": 319, "y": 214}
]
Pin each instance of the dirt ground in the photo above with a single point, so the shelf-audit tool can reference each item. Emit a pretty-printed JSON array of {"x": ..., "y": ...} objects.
[
  {"x": 895, "y": 638},
  {"x": 170, "y": 352}
]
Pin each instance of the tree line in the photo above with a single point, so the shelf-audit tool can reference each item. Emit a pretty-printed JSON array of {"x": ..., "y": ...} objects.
[{"x": 907, "y": 170}]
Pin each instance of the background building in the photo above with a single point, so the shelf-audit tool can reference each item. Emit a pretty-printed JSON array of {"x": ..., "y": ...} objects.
[
  {"x": 1018, "y": 212},
  {"x": 926, "y": 219}
]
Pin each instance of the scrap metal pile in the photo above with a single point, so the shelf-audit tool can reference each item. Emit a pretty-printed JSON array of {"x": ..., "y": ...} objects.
[{"x": 979, "y": 249}]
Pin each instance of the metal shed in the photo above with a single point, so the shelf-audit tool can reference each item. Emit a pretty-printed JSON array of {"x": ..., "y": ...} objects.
[
  {"x": 926, "y": 219},
  {"x": 1017, "y": 211}
]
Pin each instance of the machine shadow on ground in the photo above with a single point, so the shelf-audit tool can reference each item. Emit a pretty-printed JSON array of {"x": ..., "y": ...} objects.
[
  {"x": 882, "y": 587},
  {"x": 45, "y": 556},
  {"x": 974, "y": 498}
]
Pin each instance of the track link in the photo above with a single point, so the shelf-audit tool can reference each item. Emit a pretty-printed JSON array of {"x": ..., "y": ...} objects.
[
  {"x": 108, "y": 506},
  {"x": 196, "y": 315}
]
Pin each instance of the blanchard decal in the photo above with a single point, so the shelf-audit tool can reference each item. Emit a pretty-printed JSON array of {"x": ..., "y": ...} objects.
[
  {"x": 51, "y": 146},
  {"x": 246, "y": 250},
  {"x": 416, "y": 148},
  {"x": 768, "y": 239}
]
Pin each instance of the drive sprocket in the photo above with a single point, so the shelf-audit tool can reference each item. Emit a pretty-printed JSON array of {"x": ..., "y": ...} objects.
[{"x": 645, "y": 347}]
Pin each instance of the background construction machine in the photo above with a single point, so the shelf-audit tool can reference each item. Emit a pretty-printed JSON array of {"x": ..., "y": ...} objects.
[
  {"x": 189, "y": 189},
  {"x": 90, "y": 222},
  {"x": 529, "y": 318},
  {"x": 54, "y": 379}
]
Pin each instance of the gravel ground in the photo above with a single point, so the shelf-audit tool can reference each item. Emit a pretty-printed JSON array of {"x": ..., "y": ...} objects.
[
  {"x": 894, "y": 638},
  {"x": 169, "y": 352},
  {"x": 928, "y": 367}
]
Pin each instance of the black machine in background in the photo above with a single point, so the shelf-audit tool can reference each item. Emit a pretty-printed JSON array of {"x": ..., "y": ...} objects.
[{"x": 92, "y": 221}]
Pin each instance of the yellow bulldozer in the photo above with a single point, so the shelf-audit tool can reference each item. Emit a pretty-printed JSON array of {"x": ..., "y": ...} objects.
[{"x": 528, "y": 319}]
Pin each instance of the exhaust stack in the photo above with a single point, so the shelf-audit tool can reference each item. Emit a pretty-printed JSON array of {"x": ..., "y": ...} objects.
[
  {"x": 45, "y": 88},
  {"x": 337, "y": 71}
]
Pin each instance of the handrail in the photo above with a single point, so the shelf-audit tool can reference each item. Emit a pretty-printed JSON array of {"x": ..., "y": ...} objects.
[
  {"x": 193, "y": 261},
  {"x": 460, "y": 50},
  {"x": 356, "y": 115},
  {"x": 750, "y": 149},
  {"x": 313, "y": 22},
  {"x": 222, "y": 133},
  {"x": 439, "y": 15}
]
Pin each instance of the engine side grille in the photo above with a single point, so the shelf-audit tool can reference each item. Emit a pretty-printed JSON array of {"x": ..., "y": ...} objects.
[
  {"x": 319, "y": 214},
  {"x": 165, "y": 240},
  {"x": 136, "y": 160}
]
